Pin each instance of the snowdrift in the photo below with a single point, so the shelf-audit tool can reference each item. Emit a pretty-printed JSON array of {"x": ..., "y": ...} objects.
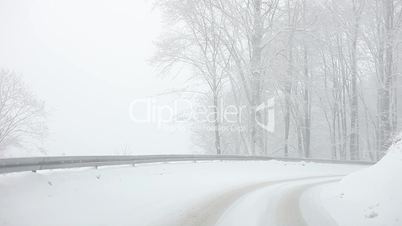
[{"x": 372, "y": 196}]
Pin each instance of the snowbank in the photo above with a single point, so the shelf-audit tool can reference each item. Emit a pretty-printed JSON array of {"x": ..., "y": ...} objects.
[{"x": 372, "y": 196}]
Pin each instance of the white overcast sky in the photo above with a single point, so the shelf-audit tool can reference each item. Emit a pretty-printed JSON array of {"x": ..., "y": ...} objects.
[{"x": 87, "y": 59}]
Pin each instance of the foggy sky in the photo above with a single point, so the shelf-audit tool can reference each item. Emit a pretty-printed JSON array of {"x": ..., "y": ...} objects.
[{"x": 87, "y": 59}]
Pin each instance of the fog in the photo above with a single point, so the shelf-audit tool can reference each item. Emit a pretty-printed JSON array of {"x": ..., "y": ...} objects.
[
  {"x": 88, "y": 60},
  {"x": 207, "y": 112},
  {"x": 311, "y": 79}
]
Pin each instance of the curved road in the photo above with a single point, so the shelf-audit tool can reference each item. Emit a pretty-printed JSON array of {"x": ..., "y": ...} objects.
[{"x": 275, "y": 203}]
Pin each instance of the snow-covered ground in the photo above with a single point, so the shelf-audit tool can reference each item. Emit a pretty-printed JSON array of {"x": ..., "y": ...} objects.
[
  {"x": 151, "y": 194},
  {"x": 371, "y": 197}
]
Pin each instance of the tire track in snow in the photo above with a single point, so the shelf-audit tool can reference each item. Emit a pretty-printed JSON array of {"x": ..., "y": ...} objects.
[
  {"x": 289, "y": 212},
  {"x": 209, "y": 211}
]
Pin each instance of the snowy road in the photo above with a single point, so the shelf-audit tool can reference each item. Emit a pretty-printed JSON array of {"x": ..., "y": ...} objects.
[
  {"x": 176, "y": 194},
  {"x": 272, "y": 202}
]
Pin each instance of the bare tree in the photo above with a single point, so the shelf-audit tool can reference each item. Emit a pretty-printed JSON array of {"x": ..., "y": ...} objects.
[
  {"x": 198, "y": 45},
  {"x": 22, "y": 116}
]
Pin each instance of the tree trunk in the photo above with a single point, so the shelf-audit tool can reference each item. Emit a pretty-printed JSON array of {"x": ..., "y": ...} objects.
[
  {"x": 217, "y": 126},
  {"x": 354, "y": 105},
  {"x": 307, "y": 108},
  {"x": 386, "y": 81},
  {"x": 288, "y": 80},
  {"x": 256, "y": 73},
  {"x": 287, "y": 118}
]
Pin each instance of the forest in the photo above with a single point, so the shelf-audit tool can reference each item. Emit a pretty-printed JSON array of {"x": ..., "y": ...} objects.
[{"x": 332, "y": 68}]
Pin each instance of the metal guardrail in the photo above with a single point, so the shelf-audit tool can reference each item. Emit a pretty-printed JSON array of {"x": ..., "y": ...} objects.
[{"x": 45, "y": 163}]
